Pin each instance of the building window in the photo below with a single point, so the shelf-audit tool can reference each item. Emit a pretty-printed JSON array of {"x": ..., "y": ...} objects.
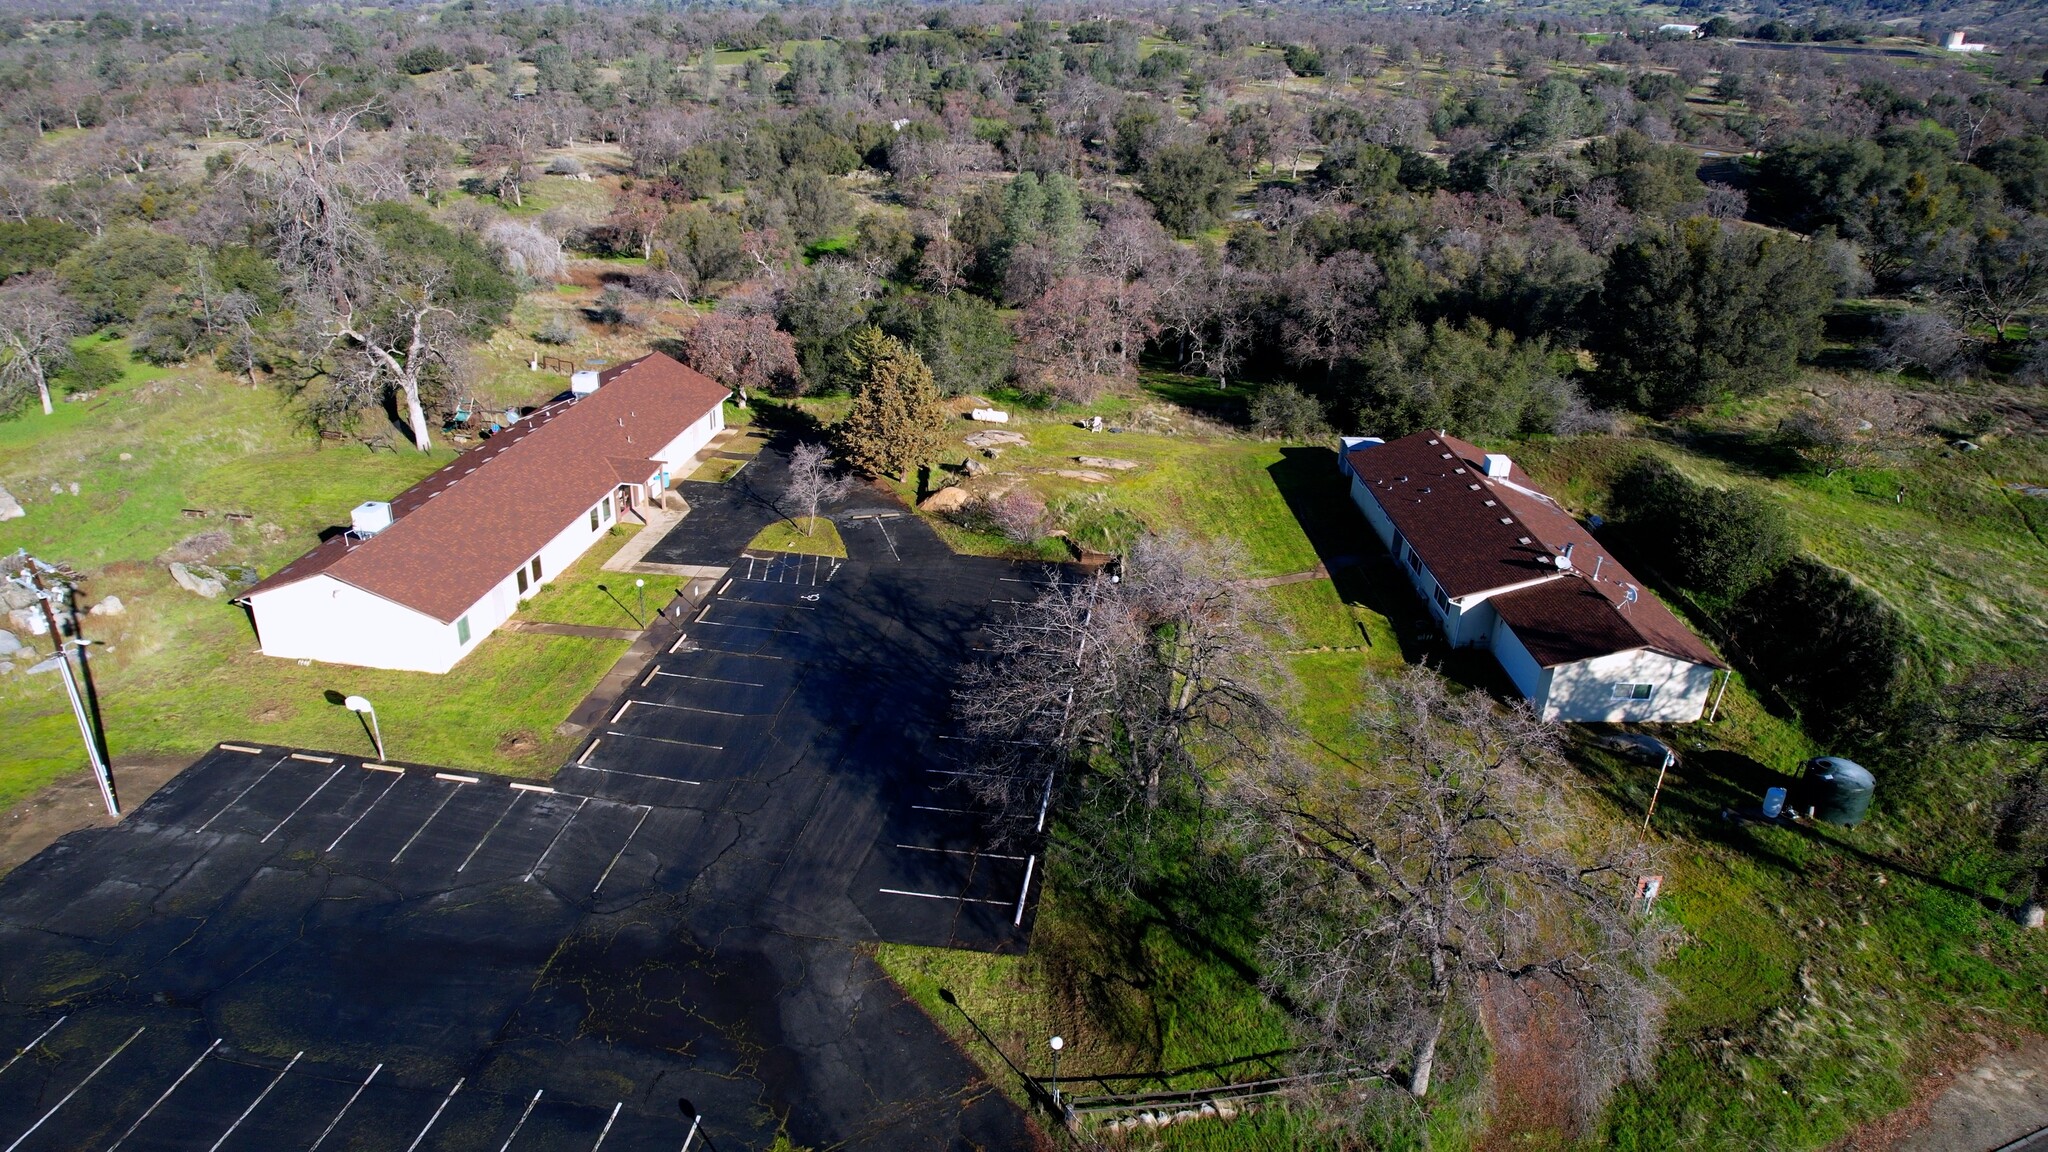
[
  {"x": 606, "y": 504},
  {"x": 593, "y": 519},
  {"x": 536, "y": 569},
  {"x": 462, "y": 630},
  {"x": 521, "y": 577},
  {"x": 1634, "y": 691},
  {"x": 1443, "y": 601},
  {"x": 1414, "y": 562}
]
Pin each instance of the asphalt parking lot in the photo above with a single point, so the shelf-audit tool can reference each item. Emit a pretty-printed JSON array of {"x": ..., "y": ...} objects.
[{"x": 293, "y": 949}]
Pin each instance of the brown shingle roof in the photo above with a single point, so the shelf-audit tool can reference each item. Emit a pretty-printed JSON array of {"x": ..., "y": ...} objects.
[
  {"x": 460, "y": 531},
  {"x": 1476, "y": 533}
]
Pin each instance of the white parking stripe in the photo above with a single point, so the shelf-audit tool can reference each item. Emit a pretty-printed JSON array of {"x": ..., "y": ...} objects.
[
  {"x": 752, "y": 627},
  {"x": 531, "y": 872},
  {"x": 435, "y": 1118},
  {"x": 522, "y": 1121},
  {"x": 953, "y": 811},
  {"x": 74, "y": 1091},
  {"x": 242, "y": 793},
  {"x": 587, "y": 752},
  {"x": 664, "y": 740},
  {"x": 1023, "y": 892},
  {"x": 423, "y": 825},
  {"x": 516, "y": 796},
  {"x": 253, "y": 1103},
  {"x": 936, "y": 896},
  {"x": 34, "y": 1042},
  {"x": 365, "y": 812},
  {"x": 706, "y": 679},
  {"x": 644, "y": 814},
  {"x": 641, "y": 775},
  {"x": 166, "y": 1096},
  {"x": 608, "y": 1126},
  {"x": 677, "y": 707},
  {"x": 334, "y": 1123},
  {"x": 960, "y": 852},
  {"x": 302, "y": 804}
]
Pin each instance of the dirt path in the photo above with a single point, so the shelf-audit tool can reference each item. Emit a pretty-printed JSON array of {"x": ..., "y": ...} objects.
[
  {"x": 73, "y": 803},
  {"x": 2000, "y": 1099},
  {"x": 1979, "y": 1097}
]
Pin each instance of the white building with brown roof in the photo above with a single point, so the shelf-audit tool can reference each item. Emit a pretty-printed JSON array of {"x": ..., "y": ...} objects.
[
  {"x": 417, "y": 582},
  {"x": 1503, "y": 567}
]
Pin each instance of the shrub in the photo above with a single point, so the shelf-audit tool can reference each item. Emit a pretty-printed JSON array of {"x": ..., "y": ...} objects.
[
  {"x": 565, "y": 166},
  {"x": 425, "y": 58},
  {"x": 556, "y": 329},
  {"x": 1833, "y": 649},
  {"x": 1717, "y": 541},
  {"x": 1284, "y": 412}
]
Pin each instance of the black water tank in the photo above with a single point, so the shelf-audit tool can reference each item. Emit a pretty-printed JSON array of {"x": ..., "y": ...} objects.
[{"x": 1835, "y": 790}]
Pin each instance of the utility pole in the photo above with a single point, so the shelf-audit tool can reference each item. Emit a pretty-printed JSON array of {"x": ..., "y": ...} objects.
[{"x": 31, "y": 578}]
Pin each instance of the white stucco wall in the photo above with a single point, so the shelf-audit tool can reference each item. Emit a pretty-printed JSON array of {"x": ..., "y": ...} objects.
[
  {"x": 1529, "y": 677},
  {"x": 321, "y": 618},
  {"x": 692, "y": 440},
  {"x": 1584, "y": 691},
  {"x": 325, "y": 619}
]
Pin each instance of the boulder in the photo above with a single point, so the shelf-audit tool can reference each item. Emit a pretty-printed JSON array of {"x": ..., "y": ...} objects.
[
  {"x": 29, "y": 620},
  {"x": 111, "y": 606},
  {"x": 990, "y": 415},
  {"x": 10, "y": 508},
  {"x": 1109, "y": 462},
  {"x": 974, "y": 467},
  {"x": 14, "y": 596},
  {"x": 9, "y": 644},
  {"x": 1082, "y": 474},
  {"x": 199, "y": 580},
  {"x": 946, "y": 500},
  {"x": 994, "y": 438}
]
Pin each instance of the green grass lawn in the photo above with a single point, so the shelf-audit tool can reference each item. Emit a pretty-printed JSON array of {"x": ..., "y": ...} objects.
[
  {"x": 176, "y": 674},
  {"x": 717, "y": 470},
  {"x": 585, "y": 593},
  {"x": 809, "y": 535}
]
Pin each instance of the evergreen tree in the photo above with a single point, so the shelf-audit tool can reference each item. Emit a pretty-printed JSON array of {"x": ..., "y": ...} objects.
[
  {"x": 896, "y": 421},
  {"x": 1696, "y": 313}
]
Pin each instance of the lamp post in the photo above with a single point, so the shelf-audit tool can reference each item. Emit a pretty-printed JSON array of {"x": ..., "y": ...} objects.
[
  {"x": 1056, "y": 1043},
  {"x": 1669, "y": 759},
  {"x": 361, "y": 706},
  {"x": 689, "y": 1111},
  {"x": 640, "y": 586}
]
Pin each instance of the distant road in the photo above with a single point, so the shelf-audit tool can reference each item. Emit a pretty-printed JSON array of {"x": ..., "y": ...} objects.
[{"x": 1837, "y": 49}]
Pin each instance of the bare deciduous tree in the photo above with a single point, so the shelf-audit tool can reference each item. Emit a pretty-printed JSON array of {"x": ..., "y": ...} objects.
[
  {"x": 1455, "y": 858},
  {"x": 2009, "y": 704},
  {"x": 37, "y": 323},
  {"x": 1147, "y": 685},
  {"x": 391, "y": 349},
  {"x": 812, "y": 484}
]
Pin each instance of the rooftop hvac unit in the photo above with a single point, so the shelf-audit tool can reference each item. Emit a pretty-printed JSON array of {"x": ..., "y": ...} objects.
[
  {"x": 370, "y": 517},
  {"x": 583, "y": 383},
  {"x": 1497, "y": 465}
]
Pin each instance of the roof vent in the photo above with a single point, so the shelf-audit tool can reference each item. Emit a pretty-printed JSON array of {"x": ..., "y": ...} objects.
[
  {"x": 370, "y": 517},
  {"x": 583, "y": 383},
  {"x": 1497, "y": 465}
]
